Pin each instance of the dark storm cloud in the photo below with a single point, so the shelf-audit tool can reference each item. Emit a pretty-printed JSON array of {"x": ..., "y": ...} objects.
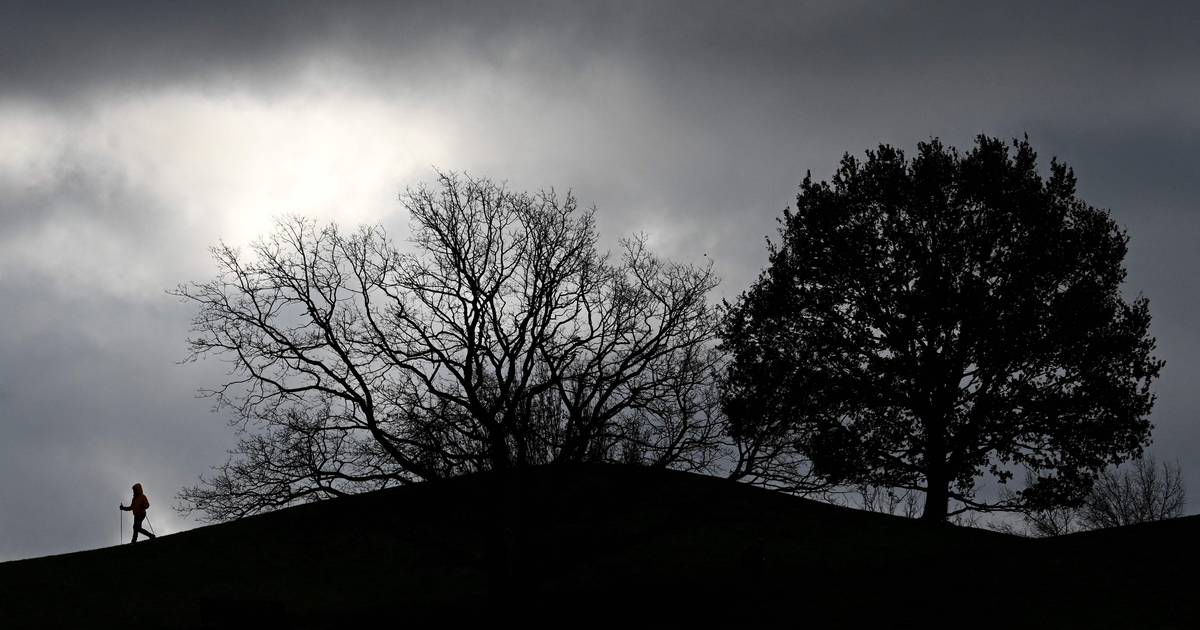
[
  {"x": 693, "y": 122},
  {"x": 58, "y": 48},
  {"x": 52, "y": 49}
]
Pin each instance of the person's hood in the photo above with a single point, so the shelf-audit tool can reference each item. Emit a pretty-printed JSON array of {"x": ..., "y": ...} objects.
[{"x": 137, "y": 489}]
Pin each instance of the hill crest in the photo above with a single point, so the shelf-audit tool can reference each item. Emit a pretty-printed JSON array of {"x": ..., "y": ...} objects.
[{"x": 639, "y": 541}]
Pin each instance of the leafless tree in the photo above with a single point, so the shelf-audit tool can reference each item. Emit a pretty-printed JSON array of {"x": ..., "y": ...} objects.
[
  {"x": 1144, "y": 490},
  {"x": 681, "y": 425},
  {"x": 898, "y": 501},
  {"x": 505, "y": 338},
  {"x": 1053, "y": 522}
]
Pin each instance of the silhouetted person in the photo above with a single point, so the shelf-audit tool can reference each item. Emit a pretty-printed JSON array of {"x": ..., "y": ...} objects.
[{"x": 138, "y": 506}]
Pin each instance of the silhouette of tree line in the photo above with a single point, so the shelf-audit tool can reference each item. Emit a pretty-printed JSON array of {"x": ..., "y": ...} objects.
[{"x": 923, "y": 325}]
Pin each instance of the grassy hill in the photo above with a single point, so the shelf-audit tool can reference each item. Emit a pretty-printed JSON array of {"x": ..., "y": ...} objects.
[{"x": 608, "y": 545}]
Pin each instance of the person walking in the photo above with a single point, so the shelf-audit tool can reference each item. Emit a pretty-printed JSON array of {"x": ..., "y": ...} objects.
[{"x": 138, "y": 506}]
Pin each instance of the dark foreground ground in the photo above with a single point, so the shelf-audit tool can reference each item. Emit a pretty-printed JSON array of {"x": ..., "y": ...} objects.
[{"x": 609, "y": 546}]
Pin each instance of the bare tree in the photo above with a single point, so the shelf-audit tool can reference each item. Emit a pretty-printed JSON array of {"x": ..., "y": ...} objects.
[
  {"x": 1146, "y": 491},
  {"x": 898, "y": 501},
  {"x": 1142, "y": 491},
  {"x": 505, "y": 339},
  {"x": 680, "y": 425},
  {"x": 1052, "y": 522}
]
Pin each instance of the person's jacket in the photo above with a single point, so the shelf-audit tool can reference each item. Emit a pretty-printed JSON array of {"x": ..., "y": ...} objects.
[{"x": 140, "y": 501}]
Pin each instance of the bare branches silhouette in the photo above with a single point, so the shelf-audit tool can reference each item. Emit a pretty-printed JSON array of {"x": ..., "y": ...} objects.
[
  {"x": 504, "y": 338},
  {"x": 1142, "y": 491}
]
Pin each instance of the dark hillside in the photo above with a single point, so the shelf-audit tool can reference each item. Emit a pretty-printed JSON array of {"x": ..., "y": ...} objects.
[{"x": 605, "y": 545}]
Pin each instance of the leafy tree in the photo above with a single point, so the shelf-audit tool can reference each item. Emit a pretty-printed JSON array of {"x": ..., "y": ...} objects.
[
  {"x": 924, "y": 322},
  {"x": 502, "y": 338}
]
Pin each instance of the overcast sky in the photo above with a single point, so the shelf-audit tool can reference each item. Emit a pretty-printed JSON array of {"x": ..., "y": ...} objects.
[{"x": 133, "y": 137}]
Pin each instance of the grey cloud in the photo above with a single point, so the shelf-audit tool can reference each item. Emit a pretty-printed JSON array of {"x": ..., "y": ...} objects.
[
  {"x": 55, "y": 48},
  {"x": 60, "y": 49}
]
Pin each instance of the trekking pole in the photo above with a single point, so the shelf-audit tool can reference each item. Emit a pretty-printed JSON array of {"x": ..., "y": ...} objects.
[{"x": 151, "y": 525}]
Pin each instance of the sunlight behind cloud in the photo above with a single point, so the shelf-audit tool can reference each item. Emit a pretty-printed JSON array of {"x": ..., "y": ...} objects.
[
  {"x": 155, "y": 180},
  {"x": 231, "y": 164}
]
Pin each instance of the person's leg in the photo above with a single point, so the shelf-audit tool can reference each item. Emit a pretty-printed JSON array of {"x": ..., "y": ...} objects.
[{"x": 137, "y": 527}]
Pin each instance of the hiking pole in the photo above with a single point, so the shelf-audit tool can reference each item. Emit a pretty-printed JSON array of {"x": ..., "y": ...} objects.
[{"x": 151, "y": 525}]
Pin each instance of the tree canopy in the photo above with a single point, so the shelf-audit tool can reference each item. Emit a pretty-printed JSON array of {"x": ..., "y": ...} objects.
[{"x": 925, "y": 322}]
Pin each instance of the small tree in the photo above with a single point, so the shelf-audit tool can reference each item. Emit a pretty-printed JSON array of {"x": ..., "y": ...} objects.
[
  {"x": 924, "y": 322},
  {"x": 1139, "y": 492},
  {"x": 505, "y": 339},
  {"x": 1144, "y": 492},
  {"x": 1055, "y": 521}
]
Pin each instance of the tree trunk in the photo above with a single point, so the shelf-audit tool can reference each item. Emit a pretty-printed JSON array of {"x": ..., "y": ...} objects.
[
  {"x": 937, "y": 478},
  {"x": 937, "y": 499},
  {"x": 498, "y": 451}
]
